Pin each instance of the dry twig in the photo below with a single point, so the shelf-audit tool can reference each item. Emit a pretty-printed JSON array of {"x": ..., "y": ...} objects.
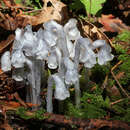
[
  {"x": 120, "y": 100},
  {"x": 114, "y": 67}
]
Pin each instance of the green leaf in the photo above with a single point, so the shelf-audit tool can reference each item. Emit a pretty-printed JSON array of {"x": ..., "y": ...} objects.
[
  {"x": 49, "y": 72},
  {"x": 95, "y": 5},
  {"x": 77, "y": 5},
  {"x": 37, "y": 1}
]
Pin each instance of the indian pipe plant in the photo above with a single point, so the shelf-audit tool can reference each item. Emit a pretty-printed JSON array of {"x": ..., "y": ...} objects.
[{"x": 62, "y": 48}]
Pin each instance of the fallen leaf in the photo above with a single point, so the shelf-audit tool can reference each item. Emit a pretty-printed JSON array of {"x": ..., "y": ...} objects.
[
  {"x": 58, "y": 12},
  {"x": 6, "y": 43},
  {"x": 112, "y": 24},
  {"x": 114, "y": 91},
  {"x": 120, "y": 75},
  {"x": 93, "y": 88},
  {"x": 14, "y": 21}
]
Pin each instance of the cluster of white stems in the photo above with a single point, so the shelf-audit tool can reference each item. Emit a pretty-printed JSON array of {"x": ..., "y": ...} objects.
[{"x": 61, "y": 48}]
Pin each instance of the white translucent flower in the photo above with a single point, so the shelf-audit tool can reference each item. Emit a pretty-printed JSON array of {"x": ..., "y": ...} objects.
[
  {"x": 17, "y": 59},
  {"x": 29, "y": 42},
  {"x": 52, "y": 61},
  {"x": 51, "y": 32},
  {"x": 39, "y": 33},
  {"x": 72, "y": 33},
  {"x": 104, "y": 53},
  {"x": 87, "y": 55},
  {"x": 28, "y": 33},
  {"x": 71, "y": 75},
  {"x": 41, "y": 50},
  {"x": 49, "y": 38},
  {"x": 52, "y": 26},
  {"x": 5, "y": 62},
  {"x": 71, "y": 29},
  {"x": 29, "y": 47},
  {"x": 97, "y": 44},
  {"x": 18, "y": 33},
  {"x": 61, "y": 92},
  {"x": 18, "y": 42}
]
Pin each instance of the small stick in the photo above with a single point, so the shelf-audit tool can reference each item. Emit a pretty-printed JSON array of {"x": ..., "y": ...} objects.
[
  {"x": 16, "y": 95},
  {"x": 120, "y": 100},
  {"x": 32, "y": 11},
  {"x": 16, "y": 7},
  {"x": 105, "y": 82},
  {"x": 119, "y": 84},
  {"x": 115, "y": 66}
]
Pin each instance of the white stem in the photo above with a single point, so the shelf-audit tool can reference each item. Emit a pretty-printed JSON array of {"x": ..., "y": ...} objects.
[
  {"x": 49, "y": 95},
  {"x": 77, "y": 85},
  {"x": 77, "y": 94},
  {"x": 34, "y": 98},
  {"x": 38, "y": 69},
  {"x": 34, "y": 80}
]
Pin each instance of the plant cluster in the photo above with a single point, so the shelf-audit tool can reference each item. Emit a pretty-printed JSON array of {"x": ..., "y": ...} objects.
[{"x": 62, "y": 48}]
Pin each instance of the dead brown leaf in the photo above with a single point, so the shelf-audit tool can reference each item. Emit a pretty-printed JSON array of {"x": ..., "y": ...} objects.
[
  {"x": 120, "y": 75},
  {"x": 12, "y": 22},
  {"x": 93, "y": 88},
  {"x": 58, "y": 12},
  {"x": 112, "y": 24},
  {"x": 113, "y": 91},
  {"x": 4, "y": 44}
]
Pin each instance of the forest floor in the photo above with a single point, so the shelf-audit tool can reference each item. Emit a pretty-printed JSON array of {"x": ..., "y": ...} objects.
[{"x": 105, "y": 100}]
